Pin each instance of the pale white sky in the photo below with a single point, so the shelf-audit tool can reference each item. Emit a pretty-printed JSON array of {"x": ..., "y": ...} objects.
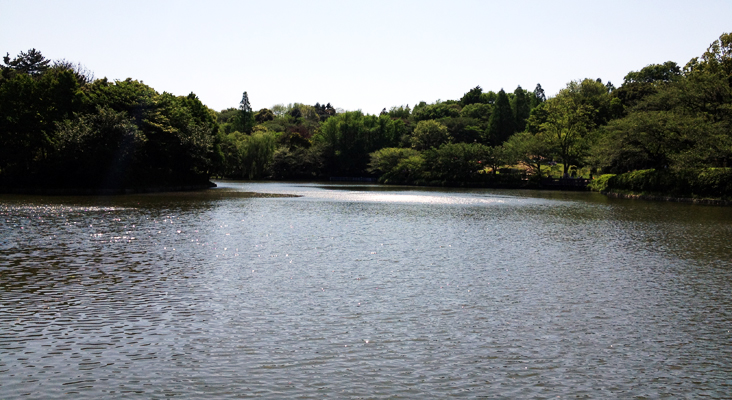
[{"x": 360, "y": 54}]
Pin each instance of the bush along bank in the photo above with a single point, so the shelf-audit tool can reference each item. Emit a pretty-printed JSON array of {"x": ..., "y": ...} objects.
[{"x": 703, "y": 186}]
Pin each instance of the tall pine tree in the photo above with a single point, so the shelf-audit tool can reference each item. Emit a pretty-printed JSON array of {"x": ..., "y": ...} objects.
[
  {"x": 244, "y": 120},
  {"x": 538, "y": 97}
]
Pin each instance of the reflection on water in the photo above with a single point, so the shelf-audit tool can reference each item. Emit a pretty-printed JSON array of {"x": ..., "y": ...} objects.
[{"x": 363, "y": 291}]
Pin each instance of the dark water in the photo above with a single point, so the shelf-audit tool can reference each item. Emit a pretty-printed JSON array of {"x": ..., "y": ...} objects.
[{"x": 354, "y": 291}]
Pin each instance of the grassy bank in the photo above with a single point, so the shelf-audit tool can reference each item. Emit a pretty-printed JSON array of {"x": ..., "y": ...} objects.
[{"x": 691, "y": 184}]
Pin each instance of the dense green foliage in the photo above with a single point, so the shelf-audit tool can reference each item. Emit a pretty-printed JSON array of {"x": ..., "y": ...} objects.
[
  {"x": 674, "y": 125},
  {"x": 451, "y": 163},
  {"x": 349, "y": 138},
  {"x": 601, "y": 184},
  {"x": 247, "y": 156},
  {"x": 691, "y": 183},
  {"x": 58, "y": 129}
]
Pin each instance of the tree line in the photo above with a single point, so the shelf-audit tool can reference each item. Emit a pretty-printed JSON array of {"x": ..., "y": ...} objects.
[
  {"x": 60, "y": 126},
  {"x": 662, "y": 117}
]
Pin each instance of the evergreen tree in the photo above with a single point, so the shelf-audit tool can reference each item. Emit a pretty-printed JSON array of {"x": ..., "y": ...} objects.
[
  {"x": 521, "y": 108},
  {"x": 538, "y": 97},
  {"x": 32, "y": 63},
  {"x": 244, "y": 104},
  {"x": 502, "y": 123},
  {"x": 244, "y": 121}
]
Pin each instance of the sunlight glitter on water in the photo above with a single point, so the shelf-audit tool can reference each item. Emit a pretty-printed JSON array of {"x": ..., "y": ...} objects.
[
  {"x": 393, "y": 292},
  {"x": 417, "y": 199}
]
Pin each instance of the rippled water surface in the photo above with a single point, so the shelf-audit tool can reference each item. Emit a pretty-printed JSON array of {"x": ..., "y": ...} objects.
[{"x": 350, "y": 291}]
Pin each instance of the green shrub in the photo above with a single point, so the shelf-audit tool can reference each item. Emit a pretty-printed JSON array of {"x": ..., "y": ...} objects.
[
  {"x": 707, "y": 182},
  {"x": 600, "y": 184},
  {"x": 396, "y": 164}
]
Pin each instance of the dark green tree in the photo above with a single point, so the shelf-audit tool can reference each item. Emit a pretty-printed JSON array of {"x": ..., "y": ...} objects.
[
  {"x": 465, "y": 130},
  {"x": 521, "y": 105},
  {"x": 244, "y": 121},
  {"x": 639, "y": 84},
  {"x": 538, "y": 96},
  {"x": 348, "y": 138},
  {"x": 654, "y": 73},
  {"x": 502, "y": 123},
  {"x": 180, "y": 133},
  {"x": 645, "y": 140},
  {"x": 29, "y": 110},
  {"x": 31, "y": 62},
  {"x": 478, "y": 111},
  {"x": 98, "y": 149},
  {"x": 489, "y": 97},
  {"x": 456, "y": 162},
  {"x": 685, "y": 124},
  {"x": 264, "y": 115},
  {"x": 401, "y": 112},
  {"x": 472, "y": 96},
  {"x": 295, "y": 112},
  {"x": 83, "y": 75},
  {"x": 324, "y": 111}
]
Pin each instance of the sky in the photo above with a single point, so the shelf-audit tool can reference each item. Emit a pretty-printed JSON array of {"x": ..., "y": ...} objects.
[{"x": 365, "y": 55}]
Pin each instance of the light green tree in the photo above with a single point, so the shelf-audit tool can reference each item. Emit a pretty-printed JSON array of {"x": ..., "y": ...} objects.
[
  {"x": 428, "y": 134},
  {"x": 717, "y": 58},
  {"x": 478, "y": 111},
  {"x": 565, "y": 130}
]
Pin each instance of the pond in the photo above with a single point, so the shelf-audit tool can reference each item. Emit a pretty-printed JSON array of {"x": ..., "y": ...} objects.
[{"x": 284, "y": 290}]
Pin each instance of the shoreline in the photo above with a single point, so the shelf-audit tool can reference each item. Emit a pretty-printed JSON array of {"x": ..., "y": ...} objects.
[
  {"x": 631, "y": 196},
  {"x": 104, "y": 192},
  {"x": 465, "y": 185}
]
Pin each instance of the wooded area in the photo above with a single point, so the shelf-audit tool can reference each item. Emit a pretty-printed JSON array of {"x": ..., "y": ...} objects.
[{"x": 59, "y": 127}]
